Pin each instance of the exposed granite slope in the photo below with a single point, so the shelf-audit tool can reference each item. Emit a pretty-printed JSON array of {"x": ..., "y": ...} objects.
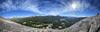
[
  {"x": 9, "y": 26},
  {"x": 90, "y": 24}
]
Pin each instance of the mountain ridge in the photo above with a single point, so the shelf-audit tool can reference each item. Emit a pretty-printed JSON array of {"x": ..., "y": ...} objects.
[
  {"x": 90, "y": 24},
  {"x": 54, "y": 21}
]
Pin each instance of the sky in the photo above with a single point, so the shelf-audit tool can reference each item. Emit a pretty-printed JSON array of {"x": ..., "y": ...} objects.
[{"x": 25, "y": 8}]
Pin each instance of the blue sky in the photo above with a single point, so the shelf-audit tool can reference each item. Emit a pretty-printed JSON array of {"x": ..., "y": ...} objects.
[{"x": 24, "y": 8}]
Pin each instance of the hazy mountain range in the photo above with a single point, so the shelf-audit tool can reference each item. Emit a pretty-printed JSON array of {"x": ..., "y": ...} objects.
[
  {"x": 55, "y": 22},
  {"x": 90, "y": 24}
]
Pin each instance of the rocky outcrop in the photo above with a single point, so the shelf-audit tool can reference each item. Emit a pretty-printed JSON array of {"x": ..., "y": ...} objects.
[
  {"x": 90, "y": 24},
  {"x": 9, "y": 26}
]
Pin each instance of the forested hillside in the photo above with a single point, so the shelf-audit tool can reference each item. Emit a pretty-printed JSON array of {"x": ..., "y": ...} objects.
[{"x": 54, "y": 22}]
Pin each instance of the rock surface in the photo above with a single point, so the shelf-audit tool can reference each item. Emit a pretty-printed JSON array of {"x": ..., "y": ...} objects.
[
  {"x": 90, "y": 24},
  {"x": 9, "y": 26}
]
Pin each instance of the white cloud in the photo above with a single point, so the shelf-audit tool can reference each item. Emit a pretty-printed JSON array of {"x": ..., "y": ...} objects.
[
  {"x": 30, "y": 5},
  {"x": 8, "y": 6},
  {"x": 27, "y": 6}
]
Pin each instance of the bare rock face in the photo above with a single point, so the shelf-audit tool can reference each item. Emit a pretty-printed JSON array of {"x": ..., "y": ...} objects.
[
  {"x": 9, "y": 26},
  {"x": 90, "y": 24}
]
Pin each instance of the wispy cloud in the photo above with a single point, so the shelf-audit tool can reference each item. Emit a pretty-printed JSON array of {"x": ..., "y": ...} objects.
[
  {"x": 27, "y": 6},
  {"x": 54, "y": 8}
]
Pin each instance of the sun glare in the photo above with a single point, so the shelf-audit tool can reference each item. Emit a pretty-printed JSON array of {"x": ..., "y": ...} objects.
[{"x": 75, "y": 5}]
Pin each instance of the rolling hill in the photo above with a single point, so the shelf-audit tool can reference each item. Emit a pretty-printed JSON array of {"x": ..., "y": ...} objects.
[
  {"x": 54, "y": 22},
  {"x": 90, "y": 24}
]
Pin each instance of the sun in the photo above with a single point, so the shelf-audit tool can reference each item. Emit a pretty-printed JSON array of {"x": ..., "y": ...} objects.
[{"x": 75, "y": 5}]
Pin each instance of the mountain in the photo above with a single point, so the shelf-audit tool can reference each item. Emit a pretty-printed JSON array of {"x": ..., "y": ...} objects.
[
  {"x": 90, "y": 24},
  {"x": 10, "y": 26},
  {"x": 54, "y": 22}
]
